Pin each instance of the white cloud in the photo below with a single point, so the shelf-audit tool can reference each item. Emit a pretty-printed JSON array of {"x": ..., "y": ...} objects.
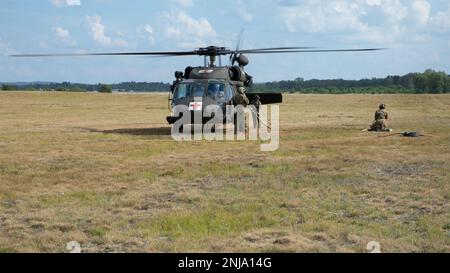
[
  {"x": 61, "y": 33},
  {"x": 441, "y": 21},
  {"x": 184, "y": 3},
  {"x": 393, "y": 11},
  {"x": 379, "y": 21},
  {"x": 322, "y": 16},
  {"x": 421, "y": 10},
  {"x": 146, "y": 32},
  {"x": 62, "y": 3},
  {"x": 147, "y": 29},
  {"x": 98, "y": 33},
  {"x": 187, "y": 31},
  {"x": 374, "y": 2},
  {"x": 243, "y": 12}
]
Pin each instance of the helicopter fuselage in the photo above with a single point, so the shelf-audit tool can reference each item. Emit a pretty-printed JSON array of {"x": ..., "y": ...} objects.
[{"x": 200, "y": 87}]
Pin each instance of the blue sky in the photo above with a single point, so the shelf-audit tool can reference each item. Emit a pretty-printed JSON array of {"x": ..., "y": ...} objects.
[{"x": 415, "y": 31}]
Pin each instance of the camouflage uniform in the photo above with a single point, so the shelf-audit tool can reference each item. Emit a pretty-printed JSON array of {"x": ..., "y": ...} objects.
[
  {"x": 380, "y": 121},
  {"x": 240, "y": 98},
  {"x": 256, "y": 103}
]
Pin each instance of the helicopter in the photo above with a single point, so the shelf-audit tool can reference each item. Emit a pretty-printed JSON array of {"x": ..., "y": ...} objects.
[{"x": 213, "y": 84}]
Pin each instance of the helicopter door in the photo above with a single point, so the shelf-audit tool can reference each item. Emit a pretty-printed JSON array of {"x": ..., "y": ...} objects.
[{"x": 182, "y": 94}]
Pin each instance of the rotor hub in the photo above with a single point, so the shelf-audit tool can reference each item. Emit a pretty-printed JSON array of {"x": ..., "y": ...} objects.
[{"x": 212, "y": 51}]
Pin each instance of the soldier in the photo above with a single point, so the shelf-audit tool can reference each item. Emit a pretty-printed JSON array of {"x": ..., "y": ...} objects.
[
  {"x": 256, "y": 103},
  {"x": 240, "y": 98},
  {"x": 381, "y": 116},
  {"x": 213, "y": 90},
  {"x": 179, "y": 78}
]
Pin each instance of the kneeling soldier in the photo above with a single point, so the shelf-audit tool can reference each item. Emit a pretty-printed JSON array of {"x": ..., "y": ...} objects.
[{"x": 381, "y": 116}]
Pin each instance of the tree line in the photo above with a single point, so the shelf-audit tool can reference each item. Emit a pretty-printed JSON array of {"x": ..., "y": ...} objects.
[
  {"x": 428, "y": 82},
  {"x": 80, "y": 87}
]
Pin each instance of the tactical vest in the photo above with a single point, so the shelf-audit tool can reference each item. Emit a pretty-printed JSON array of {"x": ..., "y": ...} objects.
[{"x": 380, "y": 114}]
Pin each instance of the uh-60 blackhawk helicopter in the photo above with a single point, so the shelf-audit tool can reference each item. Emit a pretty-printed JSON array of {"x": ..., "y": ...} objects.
[{"x": 213, "y": 84}]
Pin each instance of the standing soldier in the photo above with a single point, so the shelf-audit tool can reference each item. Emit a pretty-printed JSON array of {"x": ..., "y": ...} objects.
[
  {"x": 240, "y": 98},
  {"x": 179, "y": 77},
  {"x": 256, "y": 103},
  {"x": 380, "y": 122},
  {"x": 240, "y": 126}
]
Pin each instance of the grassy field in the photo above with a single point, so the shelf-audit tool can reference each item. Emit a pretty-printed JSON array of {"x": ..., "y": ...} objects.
[{"x": 102, "y": 170}]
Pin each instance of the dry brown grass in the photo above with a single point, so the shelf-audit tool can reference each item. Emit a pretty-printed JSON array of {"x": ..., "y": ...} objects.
[{"x": 102, "y": 170}]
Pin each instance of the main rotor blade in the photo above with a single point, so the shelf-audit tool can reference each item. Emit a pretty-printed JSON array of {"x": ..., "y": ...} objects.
[
  {"x": 180, "y": 53},
  {"x": 238, "y": 46},
  {"x": 312, "y": 51},
  {"x": 275, "y": 49},
  {"x": 203, "y": 52},
  {"x": 260, "y": 50}
]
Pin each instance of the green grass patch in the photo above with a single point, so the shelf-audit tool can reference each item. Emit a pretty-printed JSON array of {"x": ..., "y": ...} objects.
[
  {"x": 97, "y": 232},
  {"x": 214, "y": 221}
]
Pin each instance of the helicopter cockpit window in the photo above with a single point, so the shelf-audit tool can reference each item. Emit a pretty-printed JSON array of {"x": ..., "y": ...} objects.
[
  {"x": 198, "y": 90},
  {"x": 182, "y": 91},
  {"x": 228, "y": 92},
  {"x": 216, "y": 90}
]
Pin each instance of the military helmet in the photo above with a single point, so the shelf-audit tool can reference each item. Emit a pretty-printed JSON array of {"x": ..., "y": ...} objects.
[{"x": 382, "y": 106}]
